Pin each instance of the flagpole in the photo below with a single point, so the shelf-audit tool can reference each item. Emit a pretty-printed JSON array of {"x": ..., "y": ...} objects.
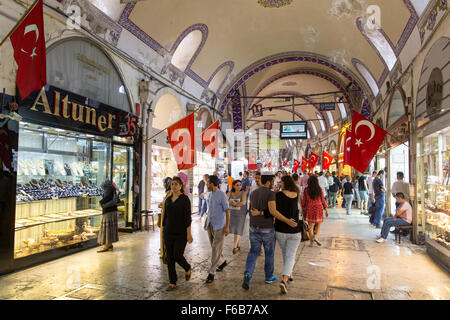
[
  {"x": 210, "y": 125},
  {"x": 161, "y": 131},
  {"x": 19, "y": 22}
]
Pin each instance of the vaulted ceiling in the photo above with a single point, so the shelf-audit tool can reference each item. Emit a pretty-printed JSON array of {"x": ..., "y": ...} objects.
[{"x": 313, "y": 46}]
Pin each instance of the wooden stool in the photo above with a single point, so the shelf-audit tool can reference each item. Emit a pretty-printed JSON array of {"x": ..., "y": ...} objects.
[
  {"x": 147, "y": 214},
  {"x": 400, "y": 229}
]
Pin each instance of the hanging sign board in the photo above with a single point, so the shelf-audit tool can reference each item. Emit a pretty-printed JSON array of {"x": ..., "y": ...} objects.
[
  {"x": 257, "y": 110},
  {"x": 327, "y": 106}
]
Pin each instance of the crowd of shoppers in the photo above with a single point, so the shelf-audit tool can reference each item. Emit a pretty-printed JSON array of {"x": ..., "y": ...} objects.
[{"x": 279, "y": 208}]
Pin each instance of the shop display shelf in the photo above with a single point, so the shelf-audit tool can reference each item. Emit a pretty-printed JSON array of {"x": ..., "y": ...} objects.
[{"x": 45, "y": 219}]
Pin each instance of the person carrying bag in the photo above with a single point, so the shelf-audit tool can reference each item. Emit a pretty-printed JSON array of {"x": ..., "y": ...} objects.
[{"x": 109, "y": 230}]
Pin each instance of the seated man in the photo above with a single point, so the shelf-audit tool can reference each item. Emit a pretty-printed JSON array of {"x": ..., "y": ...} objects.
[{"x": 403, "y": 217}]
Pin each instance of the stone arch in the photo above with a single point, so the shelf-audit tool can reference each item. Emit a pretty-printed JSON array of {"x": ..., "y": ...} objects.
[
  {"x": 191, "y": 41},
  {"x": 167, "y": 109},
  {"x": 396, "y": 108},
  {"x": 56, "y": 44}
]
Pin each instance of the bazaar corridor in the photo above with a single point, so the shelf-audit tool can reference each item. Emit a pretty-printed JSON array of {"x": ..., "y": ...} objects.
[
  {"x": 340, "y": 269},
  {"x": 253, "y": 115}
]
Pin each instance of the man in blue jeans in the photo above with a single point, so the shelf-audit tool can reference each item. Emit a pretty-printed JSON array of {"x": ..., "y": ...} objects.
[
  {"x": 262, "y": 229},
  {"x": 379, "y": 197},
  {"x": 402, "y": 217}
]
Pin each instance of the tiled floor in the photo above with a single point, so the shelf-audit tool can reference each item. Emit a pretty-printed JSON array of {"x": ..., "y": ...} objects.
[{"x": 349, "y": 265}]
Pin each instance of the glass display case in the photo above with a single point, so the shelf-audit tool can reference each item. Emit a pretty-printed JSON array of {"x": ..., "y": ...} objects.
[
  {"x": 122, "y": 177},
  {"x": 163, "y": 165},
  {"x": 205, "y": 165},
  {"x": 59, "y": 179},
  {"x": 433, "y": 163}
]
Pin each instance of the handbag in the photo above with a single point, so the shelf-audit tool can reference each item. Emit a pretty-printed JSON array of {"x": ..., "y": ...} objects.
[
  {"x": 113, "y": 202},
  {"x": 304, "y": 227}
]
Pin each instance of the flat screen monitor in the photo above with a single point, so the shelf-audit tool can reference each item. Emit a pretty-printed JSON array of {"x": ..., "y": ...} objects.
[{"x": 293, "y": 130}]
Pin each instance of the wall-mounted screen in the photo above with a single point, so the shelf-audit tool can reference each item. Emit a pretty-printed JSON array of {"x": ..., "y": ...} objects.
[{"x": 293, "y": 130}]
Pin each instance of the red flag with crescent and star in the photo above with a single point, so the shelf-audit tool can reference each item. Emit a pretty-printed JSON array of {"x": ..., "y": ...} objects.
[
  {"x": 210, "y": 138},
  {"x": 28, "y": 41},
  {"x": 296, "y": 165},
  {"x": 304, "y": 164},
  {"x": 313, "y": 160},
  {"x": 285, "y": 163},
  {"x": 347, "y": 144},
  {"x": 327, "y": 160},
  {"x": 366, "y": 139},
  {"x": 181, "y": 137}
]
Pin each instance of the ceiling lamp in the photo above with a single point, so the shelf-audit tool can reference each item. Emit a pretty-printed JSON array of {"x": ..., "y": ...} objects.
[{"x": 274, "y": 3}]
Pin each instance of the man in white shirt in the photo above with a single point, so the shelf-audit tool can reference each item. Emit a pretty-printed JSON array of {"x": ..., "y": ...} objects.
[
  {"x": 323, "y": 183},
  {"x": 400, "y": 186},
  {"x": 370, "y": 187},
  {"x": 403, "y": 217}
]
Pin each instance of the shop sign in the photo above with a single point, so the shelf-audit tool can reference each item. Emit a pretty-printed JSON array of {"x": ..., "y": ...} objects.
[
  {"x": 54, "y": 106},
  {"x": 327, "y": 106},
  {"x": 268, "y": 126},
  {"x": 434, "y": 92},
  {"x": 257, "y": 110}
]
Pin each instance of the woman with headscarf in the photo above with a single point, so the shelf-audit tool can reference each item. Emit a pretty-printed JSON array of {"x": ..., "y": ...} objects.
[
  {"x": 109, "y": 231},
  {"x": 167, "y": 184}
]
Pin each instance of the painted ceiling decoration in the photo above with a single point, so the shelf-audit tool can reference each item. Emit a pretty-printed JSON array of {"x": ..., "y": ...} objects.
[
  {"x": 307, "y": 72},
  {"x": 305, "y": 99},
  {"x": 290, "y": 57},
  {"x": 274, "y": 3},
  {"x": 328, "y": 39}
]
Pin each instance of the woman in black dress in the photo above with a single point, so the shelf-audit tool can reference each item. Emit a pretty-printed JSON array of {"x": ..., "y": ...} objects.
[{"x": 177, "y": 231}]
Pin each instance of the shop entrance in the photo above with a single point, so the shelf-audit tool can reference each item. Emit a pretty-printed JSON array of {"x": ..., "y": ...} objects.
[
  {"x": 123, "y": 160},
  {"x": 398, "y": 162}
]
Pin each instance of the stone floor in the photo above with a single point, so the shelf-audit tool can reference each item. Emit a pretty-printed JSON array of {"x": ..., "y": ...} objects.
[{"x": 349, "y": 265}]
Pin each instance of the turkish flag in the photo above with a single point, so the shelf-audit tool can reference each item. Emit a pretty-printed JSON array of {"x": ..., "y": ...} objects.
[
  {"x": 347, "y": 144},
  {"x": 313, "y": 160},
  {"x": 304, "y": 164},
  {"x": 296, "y": 165},
  {"x": 284, "y": 163},
  {"x": 181, "y": 137},
  {"x": 28, "y": 41},
  {"x": 367, "y": 138},
  {"x": 327, "y": 160},
  {"x": 252, "y": 164},
  {"x": 210, "y": 138}
]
